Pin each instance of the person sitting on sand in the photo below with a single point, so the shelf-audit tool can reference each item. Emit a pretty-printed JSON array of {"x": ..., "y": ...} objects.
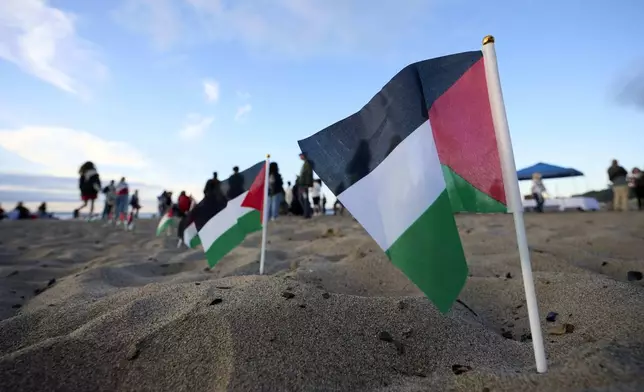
[
  {"x": 89, "y": 184},
  {"x": 20, "y": 212},
  {"x": 134, "y": 203},
  {"x": 42, "y": 212}
]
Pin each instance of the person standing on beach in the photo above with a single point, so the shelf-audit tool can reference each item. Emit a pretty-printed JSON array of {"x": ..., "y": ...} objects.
[
  {"x": 135, "y": 204},
  {"x": 288, "y": 196},
  {"x": 211, "y": 184},
  {"x": 538, "y": 192},
  {"x": 637, "y": 183},
  {"x": 275, "y": 191},
  {"x": 110, "y": 198},
  {"x": 89, "y": 185},
  {"x": 316, "y": 192},
  {"x": 235, "y": 184},
  {"x": 122, "y": 198},
  {"x": 617, "y": 175},
  {"x": 305, "y": 181}
]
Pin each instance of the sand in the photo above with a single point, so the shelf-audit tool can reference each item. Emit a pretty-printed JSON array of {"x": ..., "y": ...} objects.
[{"x": 88, "y": 308}]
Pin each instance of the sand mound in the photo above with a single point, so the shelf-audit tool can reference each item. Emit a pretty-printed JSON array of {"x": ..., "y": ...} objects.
[{"x": 93, "y": 308}]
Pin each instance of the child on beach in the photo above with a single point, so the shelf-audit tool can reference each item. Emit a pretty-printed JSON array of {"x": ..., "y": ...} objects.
[
  {"x": 89, "y": 185},
  {"x": 110, "y": 199},
  {"x": 316, "y": 191}
]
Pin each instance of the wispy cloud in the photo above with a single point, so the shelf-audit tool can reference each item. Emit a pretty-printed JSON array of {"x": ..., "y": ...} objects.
[
  {"x": 42, "y": 146},
  {"x": 243, "y": 112},
  {"x": 42, "y": 41},
  {"x": 195, "y": 127},
  {"x": 291, "y": 27},
  {"x": 159, "y": 19},
  {"x": 631, "y": 87},
  {"x": 211, "y": 90}
]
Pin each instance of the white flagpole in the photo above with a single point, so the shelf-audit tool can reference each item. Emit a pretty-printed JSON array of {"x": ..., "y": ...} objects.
[
  {"x": 511, "y": 184},
  {"x": 262, "y": 256}
]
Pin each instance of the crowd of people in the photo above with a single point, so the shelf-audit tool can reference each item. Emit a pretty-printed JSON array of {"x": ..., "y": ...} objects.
[{"x": 622, "y": 183}]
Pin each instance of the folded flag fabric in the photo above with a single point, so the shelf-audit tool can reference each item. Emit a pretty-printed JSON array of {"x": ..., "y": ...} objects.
[
  {"x": 220, "y": 224},
  {"x": 422, "y": 148},
  {"x": 167, "y": 220}
]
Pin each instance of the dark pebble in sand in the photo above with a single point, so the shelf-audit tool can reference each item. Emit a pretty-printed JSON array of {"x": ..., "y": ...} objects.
[
  {"x": 302, "y": 306},
  {"x": 216, "y": 301},
  {"x": 460, "y": 369},
  {"x": 508, "y": 276},
  {"x": 326, "y": 295},
  {"x": 407, "y": 333},
  {"x": 51, "y": 282},
  {"x": 16, "y": 306},
  {"x": 385, "y": 336},
  {"x": 133, "y": 353},
  {"x": 206, "y": 269},
  {"x": 634, "y": 275},
  {"x": 604, "y": 263},
  {"x": 399, "y": 347},
  {"x": 223, "y": 287},
  {"x": 552, "y": 316},
  {"x": 526, "y": 337},
  {"x": 197, "y": 283},
  {"x": 288, "y": 295},
  {"x": 402, "y": 305},
  {"x": 507, "y": 334}
]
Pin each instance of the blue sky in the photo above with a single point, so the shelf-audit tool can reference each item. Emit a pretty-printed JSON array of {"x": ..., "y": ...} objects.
[{"x": 167, "y": 91}]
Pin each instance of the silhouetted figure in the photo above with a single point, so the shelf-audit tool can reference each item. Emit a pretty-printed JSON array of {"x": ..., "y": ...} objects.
[
  {"x": 305, "y": 181},
  {"x": 637, "y": 183},
  {"x": 235, "y": 184},
  {"x": 618, "y": 177},
  {"x": 275, "y": 190},
  {"x": 211, "y": 184}
]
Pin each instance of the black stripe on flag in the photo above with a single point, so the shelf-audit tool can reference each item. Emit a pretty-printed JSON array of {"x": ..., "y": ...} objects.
[
  {"x": 348, "y": 150},
  {"x": 211, "y": 205}
]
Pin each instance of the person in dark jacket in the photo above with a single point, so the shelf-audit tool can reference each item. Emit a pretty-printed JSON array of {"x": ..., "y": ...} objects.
[
  {"x": 295, "y": 207},
  {"x": 275, "y": 191},
  {"x": 305, "y": 182},
  {"x": 637, "y": 183},
  {"x": 618, "y": 177},
  {"x": 89, "y": 184},
  {"x": 211, "y": 184},
  {"x": 235, "y": 184}
]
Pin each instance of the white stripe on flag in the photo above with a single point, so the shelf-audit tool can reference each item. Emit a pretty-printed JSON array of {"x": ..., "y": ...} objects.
[{"x": 396, "y": 193}]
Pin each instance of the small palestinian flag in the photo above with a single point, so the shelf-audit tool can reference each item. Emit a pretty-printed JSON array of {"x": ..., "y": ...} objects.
[
  {"x": 422, "y": 148},
  {"x": 221, "y": 221},
  {"x": 167, "y": 221}
]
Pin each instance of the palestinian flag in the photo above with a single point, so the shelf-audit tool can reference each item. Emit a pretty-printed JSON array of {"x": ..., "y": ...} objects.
[
  {"x": 167, "y": 221},
  {"x": 422, "y": 148},
  {"x": 220, "y": 224}
]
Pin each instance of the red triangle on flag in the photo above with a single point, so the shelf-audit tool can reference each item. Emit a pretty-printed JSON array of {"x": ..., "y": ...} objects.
[{"x": 255, "y": 196}]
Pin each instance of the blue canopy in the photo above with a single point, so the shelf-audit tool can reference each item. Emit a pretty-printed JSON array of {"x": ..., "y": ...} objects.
[{"x": 547, "y": 171}]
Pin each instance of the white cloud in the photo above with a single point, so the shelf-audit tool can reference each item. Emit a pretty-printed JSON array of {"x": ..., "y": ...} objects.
[
  {"x": 243, "y": 111},
  {"x": 195, "y": 126},
  {"x": 60, "y": 151},
  {"x": 42, "y": 41},
  {"x": 157, "y": 18},
  {"x": 211, "y": 89},
  {"x": 293, "y": 27}
]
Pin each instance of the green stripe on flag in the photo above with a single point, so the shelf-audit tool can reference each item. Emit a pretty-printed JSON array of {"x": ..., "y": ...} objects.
[
  {"x": 464, "y": 197},
  {"x": 430, "y": 253},
  {"x": 235, "y": 235}
]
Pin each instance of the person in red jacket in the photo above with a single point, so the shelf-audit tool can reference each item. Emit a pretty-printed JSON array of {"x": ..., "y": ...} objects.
[{"x": 183, "y": 203}]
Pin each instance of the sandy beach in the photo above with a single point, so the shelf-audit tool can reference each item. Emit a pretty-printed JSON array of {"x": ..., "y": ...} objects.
[{"x": 88, "y": 308}]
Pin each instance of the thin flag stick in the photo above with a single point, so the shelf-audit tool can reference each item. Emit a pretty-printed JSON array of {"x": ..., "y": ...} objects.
[
  {"x": 513, "y": 194},
  {"x": 262, "y": 256}
]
